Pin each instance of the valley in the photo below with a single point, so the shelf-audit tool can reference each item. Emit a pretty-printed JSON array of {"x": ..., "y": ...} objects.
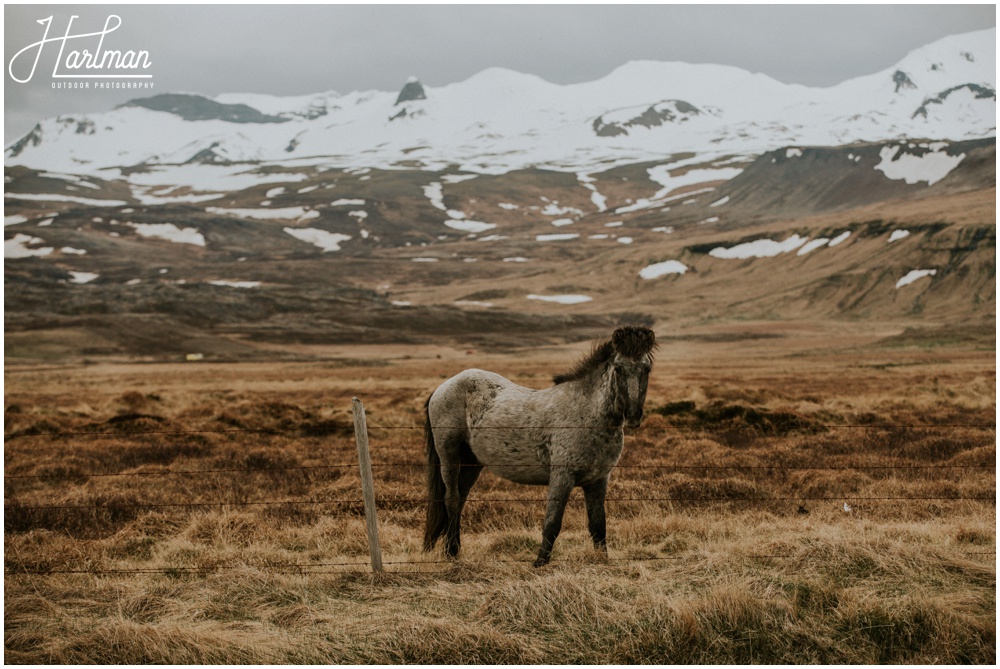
[{"x": 330, "y": 256}]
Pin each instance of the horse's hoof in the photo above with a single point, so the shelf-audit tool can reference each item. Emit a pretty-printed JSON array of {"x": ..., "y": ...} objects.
[{"x": 540, "y": 562}]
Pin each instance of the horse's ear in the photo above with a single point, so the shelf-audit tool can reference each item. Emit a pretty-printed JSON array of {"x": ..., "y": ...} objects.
[{"x": 633, "y": 341}]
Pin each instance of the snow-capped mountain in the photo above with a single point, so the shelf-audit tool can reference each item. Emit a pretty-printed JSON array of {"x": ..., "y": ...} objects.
[{"x": 500, "y": 120}]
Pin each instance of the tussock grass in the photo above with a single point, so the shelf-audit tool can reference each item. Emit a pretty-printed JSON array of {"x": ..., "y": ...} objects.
[{"x": 728, "y": 538}]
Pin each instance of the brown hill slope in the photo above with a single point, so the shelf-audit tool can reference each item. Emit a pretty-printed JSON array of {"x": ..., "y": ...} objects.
[
  {"x": 839, "y": 244},
  {"x": 795, "y": 182}
]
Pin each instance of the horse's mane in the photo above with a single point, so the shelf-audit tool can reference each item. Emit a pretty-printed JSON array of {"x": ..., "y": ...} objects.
[{"x": 632, "y": 341}]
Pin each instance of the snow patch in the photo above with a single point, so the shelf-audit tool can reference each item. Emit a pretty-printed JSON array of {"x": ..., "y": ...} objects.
[
  {"x": 474, "y": 227},
  {"x": 170, "y": 232},
  {"x": 17, "y": 247},
  {"x": 553, "y": 209},
  {"x": 14, "y": 220},
  {"x": 813, "y": 245},
  {"x": 661, "y": 175},
  {"x": 457, "y": 178},
  {"x": 930, "y": 167},
  {"x": 236, "y": 284},
  {"x": 82, "y": 277},
  {"x": 286, "y": 213},
  {"x": 162, "y": 196},
  {"x": 839, "y": 239},
  {"x": 760, "y": 248},
  {"x": 659, "y": 269},
  {"x": 328, "y": 241},
  {"x": 587, "y": 181},
  {"x": 913, "y": 275},
  {"x": 898, "y": 234},
  {"x": 435, "y": 193},
  {"x": 345, "y": 203},
  {"x": 54, "y": 197},
  {"x": 561, "y": 299},
  {"x": 558, "y": 237}
]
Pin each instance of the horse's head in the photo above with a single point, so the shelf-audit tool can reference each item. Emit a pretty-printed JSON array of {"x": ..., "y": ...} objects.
[{"x": 633, "y": 359}]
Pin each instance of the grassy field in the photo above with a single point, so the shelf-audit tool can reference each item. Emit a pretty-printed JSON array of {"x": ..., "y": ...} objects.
[{"x": 216, "y": 518}]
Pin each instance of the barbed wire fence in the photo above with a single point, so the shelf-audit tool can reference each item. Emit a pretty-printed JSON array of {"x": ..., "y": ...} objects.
[{"x": 370, "y": 502}]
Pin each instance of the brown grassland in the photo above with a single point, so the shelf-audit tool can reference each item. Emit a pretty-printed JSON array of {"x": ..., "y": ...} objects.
[{"x": 216, "y": 517}]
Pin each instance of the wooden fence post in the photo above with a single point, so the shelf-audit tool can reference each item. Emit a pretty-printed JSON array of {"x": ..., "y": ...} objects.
[{"x": 367, "y": 484}]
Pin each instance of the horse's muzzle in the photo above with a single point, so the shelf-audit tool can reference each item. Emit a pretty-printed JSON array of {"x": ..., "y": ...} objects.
[{"x": 634, "y": 421}]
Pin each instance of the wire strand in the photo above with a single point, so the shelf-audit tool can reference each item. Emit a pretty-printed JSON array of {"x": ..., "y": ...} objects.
[
  {"x": 416, "y": 465},
  {"x": 519, "y": 500},
  {"x": 346, "y": 428}
]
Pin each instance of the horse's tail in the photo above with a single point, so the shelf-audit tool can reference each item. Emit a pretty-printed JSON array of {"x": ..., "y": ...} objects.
[{"x": 437, "y": 513}]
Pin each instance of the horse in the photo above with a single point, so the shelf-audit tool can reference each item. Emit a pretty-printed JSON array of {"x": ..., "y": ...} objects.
[{"x": 568, "y": 435}]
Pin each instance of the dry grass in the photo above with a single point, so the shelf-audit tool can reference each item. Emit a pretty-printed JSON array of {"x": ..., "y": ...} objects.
[{"x": 753, "y": 563}]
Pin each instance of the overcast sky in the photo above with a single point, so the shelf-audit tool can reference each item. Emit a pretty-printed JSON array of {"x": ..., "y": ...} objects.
[{"x": 290, "y": 50}]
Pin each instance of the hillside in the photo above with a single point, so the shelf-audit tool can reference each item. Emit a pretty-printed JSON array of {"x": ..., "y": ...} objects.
[
  {"x": 234, "y": 282},
  {"x": 505, "y": 210}
]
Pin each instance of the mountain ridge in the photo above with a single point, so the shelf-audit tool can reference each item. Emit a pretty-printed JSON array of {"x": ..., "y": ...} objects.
[{"x": 500, "y": 119}]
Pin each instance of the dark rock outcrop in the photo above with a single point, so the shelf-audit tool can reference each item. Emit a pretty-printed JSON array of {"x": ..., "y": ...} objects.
[
  {"x": 413, "y": 90},
  {"x": 667, "y": 111},
  {"x": 902, "y": 80},
  {"x": 33, "y": 138},
  {"x": 981, "y": 93}
]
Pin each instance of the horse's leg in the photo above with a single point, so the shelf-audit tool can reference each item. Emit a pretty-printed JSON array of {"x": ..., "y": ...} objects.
[
  {"x": 560, "y": 486},
  {"x": 459, "y": 477},
  {"x": 594, "y": 494},
  {"x": 453, "y": 504},
  {"x": 467, "y": 476},
  {"x": 466, "y": 479}
]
